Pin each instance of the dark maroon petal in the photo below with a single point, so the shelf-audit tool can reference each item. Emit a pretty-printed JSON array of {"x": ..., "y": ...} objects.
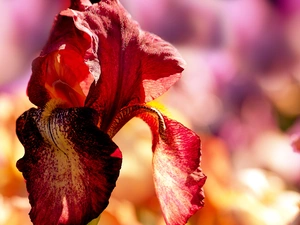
[
  {"x": 70, "y": 166},
  {"x": 136, "y": 66}
]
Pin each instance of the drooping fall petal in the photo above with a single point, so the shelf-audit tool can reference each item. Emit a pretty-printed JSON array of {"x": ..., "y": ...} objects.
[
  {"x": 176, "y": 163},
  {"x": 136, "y": 66},
  {"x": 69, "y": 164},
  {"x": 177, "y": 174}
]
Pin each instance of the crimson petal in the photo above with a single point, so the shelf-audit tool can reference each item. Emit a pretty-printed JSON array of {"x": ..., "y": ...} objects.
[
  {"x": 63, "y": 68},
  {"x": 69, "y": 164},
  {"x": 178, "y": 177},
  {"x": 136, "y": 66}
]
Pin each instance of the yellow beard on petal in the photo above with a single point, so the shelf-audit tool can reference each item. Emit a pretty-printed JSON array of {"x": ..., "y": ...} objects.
[
  {"x": 50, "y": 106},
  {"x": 67, "y": 171}
]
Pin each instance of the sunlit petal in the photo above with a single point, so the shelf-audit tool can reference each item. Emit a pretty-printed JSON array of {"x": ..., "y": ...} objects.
[
  {"x": 177, "y": 174},
  {"x": 62, "y": 70},
  {"x": 178, "y": 177},
  {"x": 136, "y": 66}
]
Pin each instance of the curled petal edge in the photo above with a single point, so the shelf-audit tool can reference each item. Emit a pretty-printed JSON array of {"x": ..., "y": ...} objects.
[{"x": 178, "y": 177}]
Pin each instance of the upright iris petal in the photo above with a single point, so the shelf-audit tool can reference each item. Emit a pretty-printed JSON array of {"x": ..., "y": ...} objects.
[
  {"x": 65, "y": 68},
  {"x": 97, "y": 71},
  {"x": 136, "y": 66}
]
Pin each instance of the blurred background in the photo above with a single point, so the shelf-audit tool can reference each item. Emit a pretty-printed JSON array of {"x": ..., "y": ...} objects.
[{"x": 240, "y": 92}]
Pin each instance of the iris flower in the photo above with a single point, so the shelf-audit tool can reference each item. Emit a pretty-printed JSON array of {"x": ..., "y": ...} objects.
[{"x": 96, "y": 72}]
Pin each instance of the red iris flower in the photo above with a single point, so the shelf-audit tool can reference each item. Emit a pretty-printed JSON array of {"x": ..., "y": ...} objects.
[{"x": 96, "y": 72}]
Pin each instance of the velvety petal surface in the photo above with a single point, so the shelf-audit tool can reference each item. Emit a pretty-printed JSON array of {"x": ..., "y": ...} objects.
[
  {"x": 136, "y": 66},
  {"x": 70, "y": 166},
  {"x": 178, "y": 177}
]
